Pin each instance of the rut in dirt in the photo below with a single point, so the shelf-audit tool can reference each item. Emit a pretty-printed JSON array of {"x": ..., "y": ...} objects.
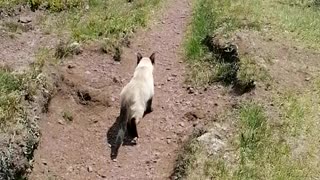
[{"x": 77, "y": 148}]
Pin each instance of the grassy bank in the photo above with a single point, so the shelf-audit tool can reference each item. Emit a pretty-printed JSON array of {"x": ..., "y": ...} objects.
[
  {"x": 271, "y": 139},
  {"x": 25, "y": 96},
  {"x": 111, "y": 23},
  {"x": 292, "y": 20},
  {"x": 262, "y": 147},
  {"x": 18, "y": 123}
]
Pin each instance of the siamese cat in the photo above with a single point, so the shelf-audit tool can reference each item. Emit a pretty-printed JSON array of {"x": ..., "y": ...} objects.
[{"x": 136, "y": 98}]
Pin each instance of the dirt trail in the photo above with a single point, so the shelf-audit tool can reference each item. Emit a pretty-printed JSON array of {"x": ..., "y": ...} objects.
[{"x": 78, "y": 149}]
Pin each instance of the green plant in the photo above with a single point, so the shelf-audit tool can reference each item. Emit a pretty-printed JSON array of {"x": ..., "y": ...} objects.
[{"x": 67, "y": 116}]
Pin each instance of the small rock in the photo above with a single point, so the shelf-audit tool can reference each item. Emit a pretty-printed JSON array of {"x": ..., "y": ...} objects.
[
  {"x": 70, "y": 169},
  {"x": 89, "y": 168},
  {"x": 168, "y": 141},
  {"x": 307, "y": 79},
  {"x": 195, "y": 123},
  {"x": 157, "y": 154},
  {"x": 87, "y": 7},
  {"x": 212, "y": 140},
  {"x": 75, "y": 48},
  {"x": 170, "y": 78},
  {"x": 24, "y": 19},
  {"x": 174, "y": 75},
  {"x": 115, "y": 80},
  {"x": 88, "y": 72},
  {"x": 29, "y": 170},
  {"x": 181, "y": 124},
  {"x": 44, "y": 162},
  {"x": 61, "y": 122},
  {"x": 190, "y": 90},
  {"x": 70, "y": 66},
  {"x": 103, "y": 176}
]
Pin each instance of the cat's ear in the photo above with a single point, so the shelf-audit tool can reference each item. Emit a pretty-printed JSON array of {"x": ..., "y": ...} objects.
[
  {"x": 139, "y": 57},
  {"x": 152, "y": 57}
]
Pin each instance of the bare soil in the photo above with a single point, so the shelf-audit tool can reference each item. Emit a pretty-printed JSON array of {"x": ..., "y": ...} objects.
[
  {"x": 21, "y": 37},
  {"x": 89, "y": 90},
  {"x": 82, "y": 114}
]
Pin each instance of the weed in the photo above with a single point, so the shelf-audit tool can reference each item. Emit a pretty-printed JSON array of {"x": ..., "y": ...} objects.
[
  {"x": 14, "y": 27},
  {"x": 10, "y": 3},
  {"x": 209, "y": 17},
  {"x": 55, "y": 5},
  {"x": 67, "y": 116},
  {"x": 65, "y": 49},
  {"x": 264, "y": 150},
  {"x": 19, "y": 130}
]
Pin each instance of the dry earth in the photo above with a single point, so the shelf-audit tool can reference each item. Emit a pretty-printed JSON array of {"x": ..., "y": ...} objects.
[{"x": 89, "y": 91}]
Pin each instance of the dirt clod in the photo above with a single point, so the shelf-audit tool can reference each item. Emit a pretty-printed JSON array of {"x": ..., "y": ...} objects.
[
  {"x": 89, "y": 168},
  {"x": 24, "y": 19},
  {"x": 84, "y": 97}
]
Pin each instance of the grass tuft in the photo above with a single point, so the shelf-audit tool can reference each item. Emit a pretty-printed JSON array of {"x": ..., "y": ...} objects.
[{"x": 67, "y": 116}]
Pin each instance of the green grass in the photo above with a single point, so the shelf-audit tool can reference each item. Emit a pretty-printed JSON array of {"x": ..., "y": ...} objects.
[
  {"x": 13, "y": 88},
  {"x": 10, "y": 89},
  {"x": 209, "y": 17},
  {"x": 295, "y": 20},
  {"x": 52, "y": 5},
  {"x": 14, "y": 27},
  {"x": 10, "y": 3},
  {"x": 18, "y": 122},
  {"x": 278, "y": 142},
  {"x": 110, "y": 23},
  {"x": 56, "y": 5},
  {"x": 111, "y": 19},
  {"x": 263, "y": 149},
  {"x": 67, "y": 116}
]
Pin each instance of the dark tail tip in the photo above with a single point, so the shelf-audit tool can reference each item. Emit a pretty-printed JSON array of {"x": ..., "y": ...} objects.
[{"x": 115, "y": 147}]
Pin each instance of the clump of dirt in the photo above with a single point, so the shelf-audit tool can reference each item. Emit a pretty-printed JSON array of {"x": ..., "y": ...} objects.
[
  {"x": 115, "y": 47},
  {"x": 225, "y": 55},
  {"x": 83, "y": 96},
  {"x": 65, "y": 49},
  {"x": 194, "y": 115}
]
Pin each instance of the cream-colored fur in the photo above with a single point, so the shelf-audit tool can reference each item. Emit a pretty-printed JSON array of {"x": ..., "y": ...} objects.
[
  {"x": 139, "y": 90},
  {"x": 136, "y": 98}
]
